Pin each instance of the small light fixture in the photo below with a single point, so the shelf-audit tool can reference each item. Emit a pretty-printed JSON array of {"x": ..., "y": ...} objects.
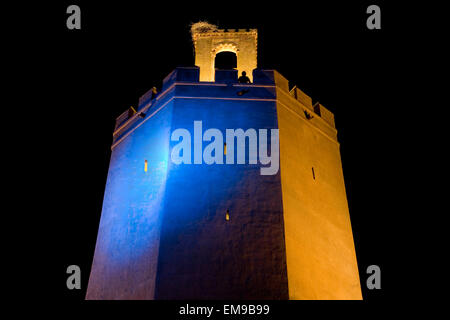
[
  {"x": 225, "y": 148},
  {"x": 242, "y": 92},
  {"x": 308, "y": 115},
  {"x": 227, "y": 215},
  {"x": 146, "y": 166}
]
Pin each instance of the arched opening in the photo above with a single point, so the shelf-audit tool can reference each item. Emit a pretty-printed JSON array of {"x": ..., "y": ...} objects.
[{"x": 225, "y": 60}]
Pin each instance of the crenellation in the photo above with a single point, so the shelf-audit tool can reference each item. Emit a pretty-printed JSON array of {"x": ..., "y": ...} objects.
[
  {"x": 317, "y": 108},
  {"x": 303, "y": 98},
  {"x": 281, "y": 81},
  {"x": 325, "y": 114}
]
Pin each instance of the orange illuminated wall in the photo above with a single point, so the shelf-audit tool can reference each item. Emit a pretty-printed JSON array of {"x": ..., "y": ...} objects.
[{"x": 320, "y": 254}]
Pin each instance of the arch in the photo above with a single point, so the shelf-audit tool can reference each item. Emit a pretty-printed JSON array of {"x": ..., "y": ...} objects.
[
  {"x": 225, "y": 47},
  {"x": 225, "y": 60}
]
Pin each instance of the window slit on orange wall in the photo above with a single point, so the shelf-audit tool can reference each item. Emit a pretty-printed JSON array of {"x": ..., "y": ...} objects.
[{"x": 314, "y": 175}]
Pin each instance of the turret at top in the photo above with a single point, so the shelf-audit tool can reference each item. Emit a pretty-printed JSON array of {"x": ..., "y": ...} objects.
[{"x": 209, "y": 41}]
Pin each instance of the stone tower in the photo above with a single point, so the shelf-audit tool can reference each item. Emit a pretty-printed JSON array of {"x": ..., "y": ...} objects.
[
  {"x": 225, "y": 231},
  {"x": 242, "y": 42}
]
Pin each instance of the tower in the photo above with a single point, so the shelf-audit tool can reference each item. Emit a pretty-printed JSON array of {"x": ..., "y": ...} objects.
[
  {"x": 242, "y": 42},
  {"x": 201, "y": 230}
]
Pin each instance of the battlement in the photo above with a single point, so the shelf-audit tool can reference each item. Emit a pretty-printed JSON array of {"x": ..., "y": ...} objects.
[
  {"x": 309, "y": 109},
  {"x": 300, "y": 102},
  {"x": 219, "y": 32},
  {"x": 317, "y": 108}
]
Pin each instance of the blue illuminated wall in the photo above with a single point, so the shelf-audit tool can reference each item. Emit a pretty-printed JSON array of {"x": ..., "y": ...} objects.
[{"x": 163, "y": 233}]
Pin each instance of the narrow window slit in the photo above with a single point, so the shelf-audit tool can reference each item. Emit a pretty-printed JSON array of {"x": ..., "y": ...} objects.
[
  {"x": 227, "y": 215},
  {"x": 225, "y": 148},
  {"x": 314, "y": 175},
  {"x": 146, "y": 166}
]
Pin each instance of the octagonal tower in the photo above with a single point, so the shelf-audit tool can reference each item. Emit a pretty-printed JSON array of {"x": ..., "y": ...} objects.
[{"x": 198, "y": 230}]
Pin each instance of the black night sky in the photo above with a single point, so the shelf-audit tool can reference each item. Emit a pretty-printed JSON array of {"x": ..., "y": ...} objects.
[{"x": 87, "y": 78}]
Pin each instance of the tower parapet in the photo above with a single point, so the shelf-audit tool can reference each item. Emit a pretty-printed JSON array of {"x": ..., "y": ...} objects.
[
  {"x": 318, "y": 116},
  {"x": 317, "y": 108}
]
